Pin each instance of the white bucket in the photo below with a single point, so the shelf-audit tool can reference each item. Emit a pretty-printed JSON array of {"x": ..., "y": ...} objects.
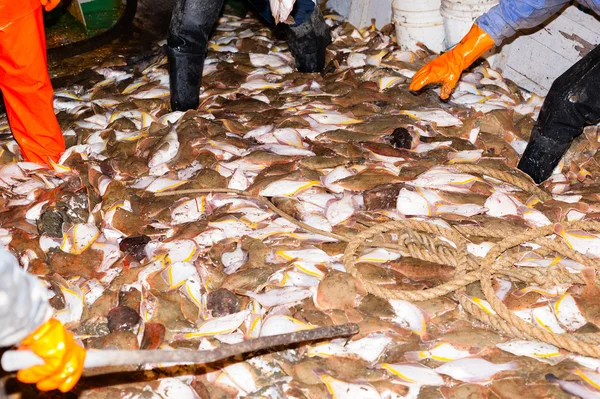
[
  {"x": 419, "y": 21},
  {"x": 459, "y": 16}
]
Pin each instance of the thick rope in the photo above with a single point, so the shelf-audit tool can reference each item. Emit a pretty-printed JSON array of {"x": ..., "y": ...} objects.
[
  {"x": 501, "y": 325},
  {"x": 564, "y": 341},
  {"x": 513, "y": 176},
  {"x": 448, "y": 246},
  {"x": 504, "y": 321},
  {"x": 277, "y": 211}
]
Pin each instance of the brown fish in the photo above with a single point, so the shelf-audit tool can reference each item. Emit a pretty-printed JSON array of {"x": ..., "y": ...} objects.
[
  {"x": 369, "y": 180},
  {"x": 588, "y": 301}
]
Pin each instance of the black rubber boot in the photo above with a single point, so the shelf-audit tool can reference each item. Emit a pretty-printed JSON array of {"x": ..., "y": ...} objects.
[
  {"x": 185, "y": 76},
  {"x": 308, "y": 42},
  {"x": 541, "y": 156},
  {"x": 189, "y": 31},
  {"x": 572, "y": 103}
]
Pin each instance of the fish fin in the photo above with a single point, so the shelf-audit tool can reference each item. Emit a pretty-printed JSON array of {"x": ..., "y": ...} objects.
[
  {"x": 475, "y": 351},
  {"x": 589, "y": 276},
  {"x": 512, "y": 365},
  {"x": 319, "y": 371},
  {"x": 416, "y": 356},
  {"x": 425, "y": 336},
  {"x": 559, "y": 229}
]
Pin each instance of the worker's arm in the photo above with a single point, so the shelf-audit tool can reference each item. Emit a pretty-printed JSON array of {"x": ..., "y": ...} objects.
[
  {"x": 446, "y": 68},
  {"x": 504, "y": 19},
  {"x": 23, "y": 301},
  {"x": 24, "y": 313},
  {"x": 500, "y": 22}
]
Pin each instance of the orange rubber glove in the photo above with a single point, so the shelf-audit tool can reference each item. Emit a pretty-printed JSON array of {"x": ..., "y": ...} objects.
[
  {"x": 49, "y": 5},
  {"x": 446, "y": 68},
  {"x": 64, "y": 358}
]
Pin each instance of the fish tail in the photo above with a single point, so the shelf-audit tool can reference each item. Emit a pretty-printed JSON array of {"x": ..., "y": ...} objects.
[
  {"x": 512, "y": 365},
  {"x": 589, "y": 276},
  {"x": 560, "y": 230},
  {"x": 415, "y": 356}
]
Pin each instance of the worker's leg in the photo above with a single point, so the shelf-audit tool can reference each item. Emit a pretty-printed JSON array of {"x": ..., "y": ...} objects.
[
  {"x": 301, "y": 12},
  {"x": 572, "y": 103},
  {"x": 27, "y": 90},
  {"x": 308, "y": 37},
  {"x": 191, "y": 25},
  {"x": 308, "y": 41}
]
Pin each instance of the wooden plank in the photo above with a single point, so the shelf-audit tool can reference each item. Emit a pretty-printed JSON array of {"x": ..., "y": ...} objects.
[
  {"x": 361, "y": 12},
  {"x": 534, "y": 61},
  {"x": 76, "y": 11},
  {"x": 530, "y": 61},
  {"x": 523, "y": 81},
  {"x": 571, "y": 38},
  {"x": 341, "y": 7}
]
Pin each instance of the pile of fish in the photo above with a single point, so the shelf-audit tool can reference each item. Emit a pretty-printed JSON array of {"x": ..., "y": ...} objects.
[{"x": 338, "y": 151}]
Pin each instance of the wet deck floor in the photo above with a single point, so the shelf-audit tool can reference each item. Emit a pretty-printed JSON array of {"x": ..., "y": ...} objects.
[{"x": 341, "y": 152}]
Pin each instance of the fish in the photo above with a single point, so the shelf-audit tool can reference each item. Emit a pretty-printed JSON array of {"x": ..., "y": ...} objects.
[
  {"x": 441, "y": 118},
  {"x": 574, "y": 388},
  {"x": 281, "y": 324},
  {"x": 341, "y": 389},
  {"x": 330, "y": 180},
  {"x": 368, "y": 348},
  {"x": 281, "y": 9},
  {"x": 165, "y": 151},
  {"x": 341, "y": 210},
  {"x": 568, "y": 313},
  {"x": 500, "y": 204},
  {"x": 177, "y": 273},
  {"x": 445, "y": 180},
  {"x": 378, "y": 255},
  {"x": 260, "y": 85},
  {"x": 79, "y": 238},
  {"x": 220, "y": 325},
  {"x": 412, "y": 203},
  {"x": 414, "y": 374},
  {"x": 287, "y": 188},
  {"x": 534, "y": 349},
  {"x": 73, "y": 303},
  {"x": 272, "y": 60},
  {"x": 409, "y": 316},
  {"x": 474, "y": 370},
  {"x": 443, "y": 352},
  {"x": 158, "y": 92},
  {"x": 280, "y": 296},
  {"x": 580, "y": 241},
  {"x": 334, "y": 118},
  {"x": 189, "y": 210},
  {"x": 232, "y": 261},
  {"x": 163, "y": 184}
]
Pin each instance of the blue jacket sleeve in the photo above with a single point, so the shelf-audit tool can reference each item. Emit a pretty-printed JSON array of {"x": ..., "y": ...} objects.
[{"x": 505, "y": 18}]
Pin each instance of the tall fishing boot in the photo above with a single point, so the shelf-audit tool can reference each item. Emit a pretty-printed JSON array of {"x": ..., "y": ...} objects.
[
  {"x": 185, "y": 77},
  {"x": 308, "y": 42},
  {"x": 572, "y": 103},
  {"x": 541, "y": 157},
  {"x": 191, "y": 24}
]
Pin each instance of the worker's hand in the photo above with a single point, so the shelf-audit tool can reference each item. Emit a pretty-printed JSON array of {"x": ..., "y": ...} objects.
[
  {"x": 49, "y": 4},
  {"x": 63, "y": 356},
  {"x": 447, "y": 68}
]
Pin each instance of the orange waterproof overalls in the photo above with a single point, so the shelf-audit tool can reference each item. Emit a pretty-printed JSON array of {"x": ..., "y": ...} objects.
[{"x": 24, "y": 80}]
